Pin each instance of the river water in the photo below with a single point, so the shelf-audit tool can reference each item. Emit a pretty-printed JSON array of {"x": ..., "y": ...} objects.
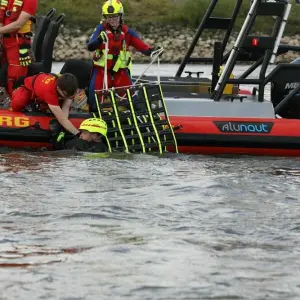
[{"x": 83, "y": 226}]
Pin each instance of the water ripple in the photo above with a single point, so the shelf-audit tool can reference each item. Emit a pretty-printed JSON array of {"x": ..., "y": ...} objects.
[{"x": 75, "y": 226}]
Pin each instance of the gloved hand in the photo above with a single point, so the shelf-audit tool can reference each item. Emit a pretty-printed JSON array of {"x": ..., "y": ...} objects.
[
  {"x": 58, "y": 141},
  {"x": 102, "y": 37},
  {"x": 25, "y": 58},
  {"x": 156, "y": 48},
  {"x": 60, "y": 137},
  {"x": 156, "y": 52}
]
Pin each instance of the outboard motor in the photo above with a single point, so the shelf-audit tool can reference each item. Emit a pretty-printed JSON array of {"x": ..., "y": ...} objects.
[
  {"x": 284, "y": 79},
  {"x": 42, "y": 23},
  {"x": 48, "y": 44}
]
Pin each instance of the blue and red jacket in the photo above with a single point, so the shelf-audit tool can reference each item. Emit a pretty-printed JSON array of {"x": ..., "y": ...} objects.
[{"x": 118, "y": 45}]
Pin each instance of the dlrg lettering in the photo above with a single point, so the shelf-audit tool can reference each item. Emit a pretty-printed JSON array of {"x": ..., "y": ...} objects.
[{"x": 8, "y": 121}]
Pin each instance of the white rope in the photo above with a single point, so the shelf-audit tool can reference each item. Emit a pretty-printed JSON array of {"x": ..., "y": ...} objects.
[
  {"x": 154, "y": 55},
  {"x": 105, "y": 81},
  {"x": 158, "y": 65},
  {"x": 145, "y": 82}
]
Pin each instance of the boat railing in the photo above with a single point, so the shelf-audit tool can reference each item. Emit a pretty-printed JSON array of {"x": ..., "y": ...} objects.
[
  {"x": 278, "y": 8},
  {"x": 209, "y": 22},
  {"x": 219, "y": 55}
]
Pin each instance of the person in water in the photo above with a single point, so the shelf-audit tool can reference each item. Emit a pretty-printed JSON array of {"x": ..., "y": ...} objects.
[
  {"x": 50, "y": 92},
  {"x": 118, "y": 37},
  {"x": 91, "y": 139}
]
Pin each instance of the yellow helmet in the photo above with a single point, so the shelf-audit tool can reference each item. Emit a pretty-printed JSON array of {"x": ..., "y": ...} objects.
[
  {"x": 94, "y": 125},
  {"x": 112, "y": 7}
]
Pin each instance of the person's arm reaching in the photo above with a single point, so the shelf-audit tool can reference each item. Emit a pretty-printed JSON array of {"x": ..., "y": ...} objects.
[
  {"x": 138, "y": 44},
  {"x": 66, "y": 107},
  {"x": 95, "y": 40},
  {"x": 62, "y": 119}
]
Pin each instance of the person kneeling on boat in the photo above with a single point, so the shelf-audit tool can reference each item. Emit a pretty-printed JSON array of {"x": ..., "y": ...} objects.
[
  {"x": 49, "y": 91},
  {"x": 92, "y": 137},
  {"x": 115, "y": 37}
]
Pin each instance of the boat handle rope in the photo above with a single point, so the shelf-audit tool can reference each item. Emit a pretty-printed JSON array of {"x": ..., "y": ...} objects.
[
  {"x": 155, "y": 55},
  {"x": 105, "y": 81}
]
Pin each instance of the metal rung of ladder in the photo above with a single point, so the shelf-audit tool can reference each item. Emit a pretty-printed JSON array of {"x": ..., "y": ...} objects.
[
  {"x": 110, "y": 117},
  {"x": 125, "y": 127}
]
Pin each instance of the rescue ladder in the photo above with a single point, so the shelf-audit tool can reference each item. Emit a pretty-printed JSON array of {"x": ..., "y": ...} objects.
[{"x": 140, "y": 123}]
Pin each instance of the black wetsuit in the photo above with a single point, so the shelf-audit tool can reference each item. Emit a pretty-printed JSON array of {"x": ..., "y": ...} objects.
[{"x": 80, "y": 145}]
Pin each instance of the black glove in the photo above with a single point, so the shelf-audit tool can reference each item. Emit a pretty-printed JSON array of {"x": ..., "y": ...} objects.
[
  {"x": 102, "y": 37},
  {"x": 156, "y": 50},
  {"x": 24, "y": 57}
]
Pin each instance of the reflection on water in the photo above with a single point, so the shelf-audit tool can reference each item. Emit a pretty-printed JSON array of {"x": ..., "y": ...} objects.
[
  {"x": 286, "y": 171},
  {"x": 33, "y": 255},
  {"x": 16, "y": 162}
]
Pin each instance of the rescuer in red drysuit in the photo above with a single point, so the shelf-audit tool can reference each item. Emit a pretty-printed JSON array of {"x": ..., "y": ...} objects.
[
  {"x": 119, "y": 37},
  {"x": 49, "y": 91},
  {"x": 16, "y": 32}
]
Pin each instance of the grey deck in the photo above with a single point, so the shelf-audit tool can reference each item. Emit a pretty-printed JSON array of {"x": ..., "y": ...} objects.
[{"x": 205, "y": 107}]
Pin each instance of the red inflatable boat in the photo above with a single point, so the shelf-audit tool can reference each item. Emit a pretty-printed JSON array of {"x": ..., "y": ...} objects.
[
  {"x": 206, "y": 135},
  {"x": 29, "y": 130},
  {"x": 197, "y": 135},
  {"x": 205, "y": 119}
]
